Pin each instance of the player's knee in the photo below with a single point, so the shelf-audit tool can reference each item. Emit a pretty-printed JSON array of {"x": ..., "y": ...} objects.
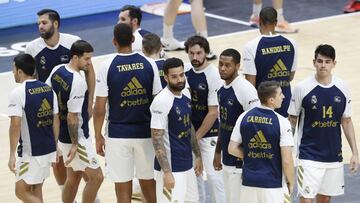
[
  {"x": 20, "y": 191},
  {"x": 96, "y": 178}
]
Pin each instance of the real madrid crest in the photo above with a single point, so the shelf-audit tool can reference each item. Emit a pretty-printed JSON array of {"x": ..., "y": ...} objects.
[
  {"x": 178, "y": 112},
  {"x": 313, "y": 99}
]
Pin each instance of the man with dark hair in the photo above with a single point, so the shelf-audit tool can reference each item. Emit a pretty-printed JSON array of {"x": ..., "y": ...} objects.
[
  {"x": 151, "y": 47},
  {"x": 49, "y": 50},
  {"x": 263, "y": 139},
  {"x": 204, "y": 81},
  {"x": 235, "y": 96},
  {"x": 34, "y": 124},
  {"x": 132, "y": 16},
  {"x": 74, "y": 142},
  {"x": 174, "y": 139},
  {"x": 324, "y": 103},
  {"x": 127, "y": 83},
  {"x": 282, "y": 25},
  {"x": 271, "y": 57}
]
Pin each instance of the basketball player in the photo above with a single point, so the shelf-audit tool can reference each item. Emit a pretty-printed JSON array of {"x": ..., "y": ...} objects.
[
  {"x": 34, "y": 124},
  {"x": 74, "y": 141},
  {"x": 266, "y": 149},
  {"x": 235, "y": 96},
  {"x": 132, "y": 16},
  {"x": 204, "y": 81},
  {"x": 322, "y": 103},
  {"x": 151, "y": 47},
  {"x": 271, "y": 57},
  {"x": 127, "y": 82},
  {"x": 49, "y": 50},
  {"x": 174, "y": 139}
]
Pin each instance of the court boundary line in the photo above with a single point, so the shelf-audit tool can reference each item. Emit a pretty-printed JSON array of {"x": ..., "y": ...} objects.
[{"x": 243, "y": 31}]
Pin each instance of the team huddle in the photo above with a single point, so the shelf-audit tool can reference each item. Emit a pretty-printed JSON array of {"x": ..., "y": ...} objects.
[{"x": 170, "y": 124}]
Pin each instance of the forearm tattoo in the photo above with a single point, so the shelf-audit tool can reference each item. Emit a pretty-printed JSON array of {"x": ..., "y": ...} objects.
[
  {"x": 73, "y": 132},
  {"x": 159, "y": 147},
  {"x": 194, "y": 143}
]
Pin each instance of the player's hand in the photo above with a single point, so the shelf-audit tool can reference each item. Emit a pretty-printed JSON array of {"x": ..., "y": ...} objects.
[
  {"x": 169, "y": 180},
  {"x": 100, "y": 145},
  {"x": 11, "y": 163},
  {"x": 217, "y": 162},
  {"x": 198, "y": 166},
  {"x": 354, "y": 163},
  {"x": 71, "y": 154}
]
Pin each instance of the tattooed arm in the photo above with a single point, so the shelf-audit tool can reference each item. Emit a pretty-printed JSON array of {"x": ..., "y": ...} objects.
[
  {"x": 73, "y": 126},
  {"x": 293, "y": 121},
  {"x": 196, "y": 150},
  {"x": 160, "y": 152}
]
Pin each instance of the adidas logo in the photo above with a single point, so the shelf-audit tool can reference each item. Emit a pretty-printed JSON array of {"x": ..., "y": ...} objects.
[
  {"x": 133, "y": 88},
  {"x": 45, "y": 109},
  {"x": 278, "y": 70},
  {"x": 259, "y": 141}
]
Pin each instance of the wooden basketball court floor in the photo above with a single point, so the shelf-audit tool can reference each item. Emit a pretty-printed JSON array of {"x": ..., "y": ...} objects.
[{"x": 341, "y": 31}]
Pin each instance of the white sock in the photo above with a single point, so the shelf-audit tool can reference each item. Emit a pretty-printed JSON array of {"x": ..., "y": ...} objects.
[
  {"x": 280, "y": 15},
  {"x": 168, "y": 31},
  {"x": 257, "y": 9},
  {"x": 203, "y": 33}
]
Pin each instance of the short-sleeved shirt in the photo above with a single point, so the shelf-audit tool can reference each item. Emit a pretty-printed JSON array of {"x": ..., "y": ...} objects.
[
  {"x": 173, "y": 114},
  {"x": 262, "y": 132},
  {"x": 129, "y": 81},
  {"x": 204, "y": 85},
  {"x": 272, "y": 58},
  {"x": 239, "y": 96},
  {"x": 321, "y": 108},
  {"x": 138, "y": 35},
  {"x": 71, "y": 90},
  {"x": 46, "y": 57},
  {"x": 36, "y": 103}
]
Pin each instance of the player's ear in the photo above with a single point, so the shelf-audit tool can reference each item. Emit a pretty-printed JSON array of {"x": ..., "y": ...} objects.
[
  {"x": 237, "y": 66},
  {"x": 114, "y": 42}
]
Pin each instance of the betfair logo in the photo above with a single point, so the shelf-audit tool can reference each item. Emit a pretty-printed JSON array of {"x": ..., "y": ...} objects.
[
  {"x": 45, "y": 109},
  {"x": 278, "y": 70},
  {"x": 133, "y": 88},
  {"x": 259, "y": 141}
]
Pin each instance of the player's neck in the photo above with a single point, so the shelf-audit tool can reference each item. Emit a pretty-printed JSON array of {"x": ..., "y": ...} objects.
[
  {"x": 203, "y": 66},
  {"x": 154, "y": 56},
  {"x": 229, "y": 81},
  {"x": 53, "y": 40},
  {"x": 175, "y": 92},
  {"x": 324, "y": 80},
  {"x": 25, "y": 77},
  {"x": 124, "y": 50},
  {"x": 267, "y": 30},
  {"x": 73, "y": 66}
]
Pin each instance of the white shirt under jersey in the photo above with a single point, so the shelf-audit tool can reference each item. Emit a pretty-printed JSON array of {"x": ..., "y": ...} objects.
[
  {"x": 38, "y": 44},
  {"x": 102, "y": 88},
  {"x": 301, "y": 90},
  {"x": 286, "y": 137},
  {"x": 77, "y": 95},
  {"x": 160, "y": 119},
  {"x": 250, "y": 53},
  {"x": 138, "y": 35},
  {"x": 245, "y": 93},
  {"x": 17, "y": 100}
]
